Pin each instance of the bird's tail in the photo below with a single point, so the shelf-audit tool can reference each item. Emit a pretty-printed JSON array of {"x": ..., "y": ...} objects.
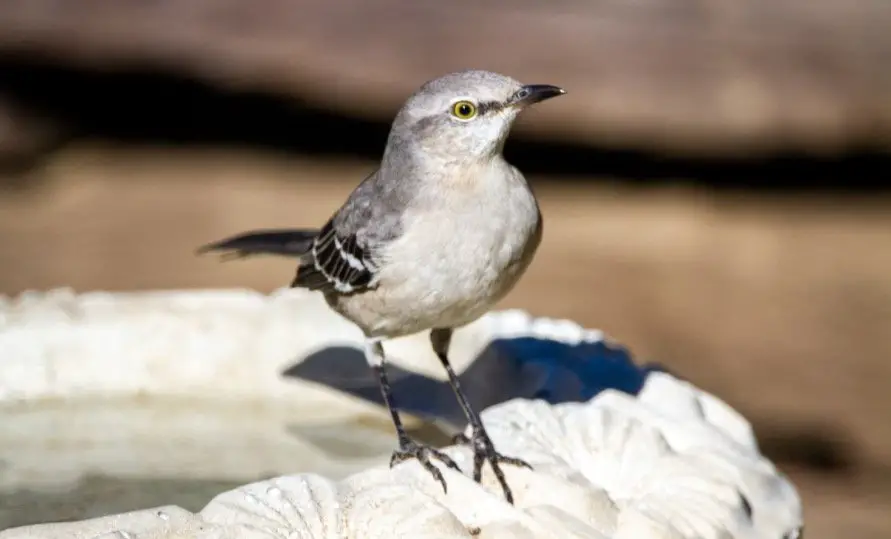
[{"x": 291, "y": 243}]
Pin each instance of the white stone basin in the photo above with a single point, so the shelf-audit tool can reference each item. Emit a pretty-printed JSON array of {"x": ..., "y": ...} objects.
[{"x": 189, "y": 386}]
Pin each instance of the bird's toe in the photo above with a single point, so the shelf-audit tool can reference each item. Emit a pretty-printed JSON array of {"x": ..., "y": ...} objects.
[
  {"x": 425, "y": 455},
  {"x": 484, "y": 451}
]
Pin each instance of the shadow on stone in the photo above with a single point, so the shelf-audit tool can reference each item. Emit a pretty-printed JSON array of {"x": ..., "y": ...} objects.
[{"x": 525, "y": 367}]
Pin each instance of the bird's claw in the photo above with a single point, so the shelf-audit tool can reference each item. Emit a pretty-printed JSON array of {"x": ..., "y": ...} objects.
[
  {"x": 484, "y": 451},
  {"x": 460, "y": 439},
  {"x": 423, "y": 453}
]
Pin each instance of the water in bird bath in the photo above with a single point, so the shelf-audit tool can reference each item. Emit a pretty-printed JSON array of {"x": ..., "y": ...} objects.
[{"x": 75, "y": 459}]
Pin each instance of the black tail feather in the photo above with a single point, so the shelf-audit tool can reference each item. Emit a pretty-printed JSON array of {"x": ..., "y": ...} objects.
[{"x": 292, "y": 243}]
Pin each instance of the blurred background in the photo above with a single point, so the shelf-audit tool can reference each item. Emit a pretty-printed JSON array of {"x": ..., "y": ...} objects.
[{"x": 716, "y": 185}]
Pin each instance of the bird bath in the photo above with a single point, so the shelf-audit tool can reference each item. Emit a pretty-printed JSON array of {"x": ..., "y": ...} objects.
[{"x": 199, "y": 413}]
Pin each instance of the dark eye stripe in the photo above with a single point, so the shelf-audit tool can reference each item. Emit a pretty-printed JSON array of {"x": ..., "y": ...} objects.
[{"x": 489, "y": 106}]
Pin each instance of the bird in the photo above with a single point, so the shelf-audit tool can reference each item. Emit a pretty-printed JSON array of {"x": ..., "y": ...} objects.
[{"x": 430, "y": 241}]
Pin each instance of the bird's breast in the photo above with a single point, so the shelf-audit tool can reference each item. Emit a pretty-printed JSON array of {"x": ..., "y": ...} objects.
[{"x": 458, "y": 258}]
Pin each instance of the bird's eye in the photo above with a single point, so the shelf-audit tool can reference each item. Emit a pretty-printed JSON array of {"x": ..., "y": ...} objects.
[{"x": 464, "y": 110}]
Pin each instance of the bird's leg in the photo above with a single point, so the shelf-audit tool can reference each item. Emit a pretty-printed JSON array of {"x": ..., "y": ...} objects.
[
  {"x": 408, "y": 448},
  {"x": 483, "y": 449}
]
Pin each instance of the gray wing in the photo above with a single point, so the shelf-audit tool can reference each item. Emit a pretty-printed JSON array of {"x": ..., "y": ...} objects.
[{"x": 344, "y": 256}]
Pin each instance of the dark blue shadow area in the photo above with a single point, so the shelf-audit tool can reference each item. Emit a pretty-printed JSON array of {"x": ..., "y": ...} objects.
[{"x": 524, "y": 367}]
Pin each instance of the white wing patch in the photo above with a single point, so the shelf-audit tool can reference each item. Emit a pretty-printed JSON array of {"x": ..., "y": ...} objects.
[{"x": 338, "y": 262}]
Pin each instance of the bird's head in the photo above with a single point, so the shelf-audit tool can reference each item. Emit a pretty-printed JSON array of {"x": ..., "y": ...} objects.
[{"x": 465, "y": 115}]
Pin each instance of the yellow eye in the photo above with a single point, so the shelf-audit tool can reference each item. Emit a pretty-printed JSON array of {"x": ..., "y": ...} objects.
[{"x": 464, "y": 110}]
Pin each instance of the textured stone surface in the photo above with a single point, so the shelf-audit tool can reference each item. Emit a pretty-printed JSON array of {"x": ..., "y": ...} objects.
[
  {"x": 615, "y": 467},
  {"x": 668, "y": 462},
  {"x": 237, "y": 342},
  {"x": 654, "y": 73}
]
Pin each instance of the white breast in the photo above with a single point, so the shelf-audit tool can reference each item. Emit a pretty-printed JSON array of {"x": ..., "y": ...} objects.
[{"x": 461, "y": 254}]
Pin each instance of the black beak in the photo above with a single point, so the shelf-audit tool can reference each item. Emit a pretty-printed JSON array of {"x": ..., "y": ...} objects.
[{"x": 535, "y": 93}]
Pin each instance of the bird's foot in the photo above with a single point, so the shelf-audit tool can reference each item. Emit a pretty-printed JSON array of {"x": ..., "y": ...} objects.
[
  {"x": 484, "y": 451},
  {"x": 424, "y": 454}
]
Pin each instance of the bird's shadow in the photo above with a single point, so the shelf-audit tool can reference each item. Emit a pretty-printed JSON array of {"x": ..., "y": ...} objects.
[{"x": 523, "y": 367}]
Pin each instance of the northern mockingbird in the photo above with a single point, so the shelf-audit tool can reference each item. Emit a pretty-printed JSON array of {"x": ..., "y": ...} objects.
[{"x": 431, "y": 240}]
